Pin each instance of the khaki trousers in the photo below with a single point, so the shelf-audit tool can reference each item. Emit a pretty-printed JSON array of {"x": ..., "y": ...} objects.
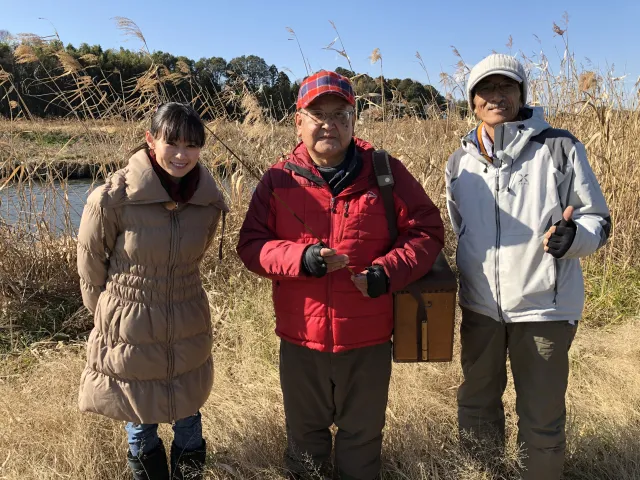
[
  {"x": 539, "y": 356},
  {"x": 349, "y": 389}
]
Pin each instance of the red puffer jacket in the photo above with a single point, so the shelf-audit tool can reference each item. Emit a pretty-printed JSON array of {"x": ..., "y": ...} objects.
[{"x": 329, "y": 314}]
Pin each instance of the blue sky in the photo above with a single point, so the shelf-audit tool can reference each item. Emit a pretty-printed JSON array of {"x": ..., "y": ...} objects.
[{"x": 604, "y": 32}]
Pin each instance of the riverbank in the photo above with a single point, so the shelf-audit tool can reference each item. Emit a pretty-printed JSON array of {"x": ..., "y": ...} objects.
[
  {"x": 42, "y": 171},
  {"x": 55, "y": 150},
  {"x": 48, "y": 150}
]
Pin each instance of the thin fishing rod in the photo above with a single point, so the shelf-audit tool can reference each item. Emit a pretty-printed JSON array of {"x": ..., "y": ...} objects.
[{"x": 275, "y": 195}]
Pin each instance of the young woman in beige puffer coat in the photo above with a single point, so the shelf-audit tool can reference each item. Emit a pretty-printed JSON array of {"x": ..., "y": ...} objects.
[{"x": 142, "y": 237}]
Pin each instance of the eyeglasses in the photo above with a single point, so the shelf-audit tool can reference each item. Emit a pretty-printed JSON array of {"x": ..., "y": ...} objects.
[
  {"x": 506, "y": 88},
  {"x": 319, "y": 117}
]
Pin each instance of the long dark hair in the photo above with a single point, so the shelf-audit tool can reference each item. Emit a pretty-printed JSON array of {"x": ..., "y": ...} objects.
[{"x": 175, "y": 121}]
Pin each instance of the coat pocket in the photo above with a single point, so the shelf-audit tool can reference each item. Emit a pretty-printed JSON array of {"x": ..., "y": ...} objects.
[
  {"x": 474, "y": 259},
  {"x": 471, "y": 254},
  {"x": 527, "y": 275},
  {"x": 460, "y": 235}
]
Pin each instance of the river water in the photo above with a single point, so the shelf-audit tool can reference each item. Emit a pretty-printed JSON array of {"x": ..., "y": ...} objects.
[{"x": 58, "y": 205}]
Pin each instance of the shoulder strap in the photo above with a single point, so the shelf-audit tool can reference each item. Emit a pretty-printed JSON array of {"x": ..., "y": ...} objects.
[
  {"x": 385, "y": 181},
  {"x": 224, "y": 221}
]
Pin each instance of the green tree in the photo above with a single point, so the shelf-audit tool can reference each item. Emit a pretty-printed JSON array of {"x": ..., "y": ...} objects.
[
  {"x": 166, "y": 59},
  {"x": 344, "y": 72},
  {"x": 213, "y": 70},
  {"x": 114, "y": 74},
  {"x": 394, "y": 82},
  {"x": 252, "y": 69},
  {"x": 282, "y": 95}
]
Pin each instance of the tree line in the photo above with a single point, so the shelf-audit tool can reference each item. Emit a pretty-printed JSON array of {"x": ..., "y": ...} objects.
[{"x": 44, "y": 78}]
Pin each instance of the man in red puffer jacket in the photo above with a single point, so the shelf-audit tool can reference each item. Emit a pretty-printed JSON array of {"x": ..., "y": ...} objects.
[{"x": 333, "y": 302}]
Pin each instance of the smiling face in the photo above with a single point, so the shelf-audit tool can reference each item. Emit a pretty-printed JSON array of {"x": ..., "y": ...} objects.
[
  {"x": 176, "y": 157},
  {"x": 326, "y": 141},
  {"x": 176, "y": 136},
  {"x": 497, "y": 99}
]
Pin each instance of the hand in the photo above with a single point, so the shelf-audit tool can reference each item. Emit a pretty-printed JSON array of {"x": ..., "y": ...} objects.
[
  {"x": 372, "y": 282},
  {"x": 333, "y": 260},
  {"x": 318, "y": 260},
  {"x": 360, "y": 281},
  {"x": 559, "y": 237}
]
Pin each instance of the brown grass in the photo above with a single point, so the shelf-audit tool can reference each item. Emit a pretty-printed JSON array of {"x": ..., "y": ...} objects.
[{"x": 43, "y": 436}]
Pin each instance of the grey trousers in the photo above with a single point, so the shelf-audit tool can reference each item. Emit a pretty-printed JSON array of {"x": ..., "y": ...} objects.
[
  {"x": 349, "y": 389},
  {"x": 539, "y": 355}
]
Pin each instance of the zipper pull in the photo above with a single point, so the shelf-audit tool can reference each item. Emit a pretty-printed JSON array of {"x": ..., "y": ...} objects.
[
  {"x": 346, "y": 210},
  {"x": 332, "y": 205}
]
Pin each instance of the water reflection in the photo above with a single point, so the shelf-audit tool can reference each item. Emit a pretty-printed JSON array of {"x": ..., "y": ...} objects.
[{"x": 57, "y": 205}]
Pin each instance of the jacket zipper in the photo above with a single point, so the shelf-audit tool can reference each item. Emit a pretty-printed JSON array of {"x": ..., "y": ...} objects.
[
  {"x": 170, "y": 313},
  {"x": 497, "y": 209},
  {"x": 332, "y": 210},
  {"x": 343, "y": 220},
  {"x": 555, "y": 281}
]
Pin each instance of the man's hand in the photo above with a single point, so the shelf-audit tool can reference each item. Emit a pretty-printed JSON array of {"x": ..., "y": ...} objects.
[
  {"x": 318, "y": 260},
  {"x": 360, "y": 281},
  {"x": 559, "y": 237},
  {"x": 333, "y": 260},
  {"x": 372, "y": 282}
]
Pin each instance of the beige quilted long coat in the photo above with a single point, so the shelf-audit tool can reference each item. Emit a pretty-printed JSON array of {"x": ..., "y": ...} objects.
[{"x": 149, "y": 353}]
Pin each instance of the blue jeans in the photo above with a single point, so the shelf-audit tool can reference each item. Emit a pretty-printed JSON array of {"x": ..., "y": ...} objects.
[{"x": 187, "y": 435}]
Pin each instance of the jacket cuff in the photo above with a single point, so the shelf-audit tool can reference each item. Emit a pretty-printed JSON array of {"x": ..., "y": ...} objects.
[
  {"x": 288, "y": 263},
  {"x": 90, "y": 295},
  {"x": 584, "y": 243}
]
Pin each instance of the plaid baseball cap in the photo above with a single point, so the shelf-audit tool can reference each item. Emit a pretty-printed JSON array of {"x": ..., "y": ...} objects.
[{"x": 322, "y": 83}]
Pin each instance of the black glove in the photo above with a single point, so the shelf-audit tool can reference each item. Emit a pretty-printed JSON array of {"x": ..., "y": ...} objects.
[
  {"x": 561, "y": 240},
  {"x": 377, "y": 281},
  {"x": 312, "y": 263}
]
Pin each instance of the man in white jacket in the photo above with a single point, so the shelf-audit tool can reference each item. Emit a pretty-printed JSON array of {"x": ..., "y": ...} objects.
[{"x": 526, "y": 207}]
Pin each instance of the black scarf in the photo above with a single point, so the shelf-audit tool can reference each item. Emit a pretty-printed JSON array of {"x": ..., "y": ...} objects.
[{"x": 341, "y": 176}]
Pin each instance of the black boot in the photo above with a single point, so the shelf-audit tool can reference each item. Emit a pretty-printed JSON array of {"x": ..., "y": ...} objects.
[
  {"x": 149, "y": 466},
  {"x": 188, "y": 464}
]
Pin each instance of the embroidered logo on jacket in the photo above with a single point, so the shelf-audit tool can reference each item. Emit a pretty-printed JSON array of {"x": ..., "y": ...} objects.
[{"x": 523, "y": 179}]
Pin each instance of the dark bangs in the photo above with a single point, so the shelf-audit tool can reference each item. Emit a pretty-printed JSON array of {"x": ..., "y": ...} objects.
[{"x": 174, "y": 122}]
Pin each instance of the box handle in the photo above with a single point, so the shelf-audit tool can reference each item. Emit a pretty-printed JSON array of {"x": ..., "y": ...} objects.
[
  {"x": 424, "y": 340},
  {"x": 422, "y": 321}
]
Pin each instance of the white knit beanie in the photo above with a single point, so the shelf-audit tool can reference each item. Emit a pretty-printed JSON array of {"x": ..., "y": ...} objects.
[{"x": 497, "y": 64}]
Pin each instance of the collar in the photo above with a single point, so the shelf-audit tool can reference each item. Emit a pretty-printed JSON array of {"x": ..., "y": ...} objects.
[
  {"x": 510, "y": 138},
  {"x": 480, "y": 134},
  {"x": 361, "y": 170},
  {"x": 144, "y": 186}
]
